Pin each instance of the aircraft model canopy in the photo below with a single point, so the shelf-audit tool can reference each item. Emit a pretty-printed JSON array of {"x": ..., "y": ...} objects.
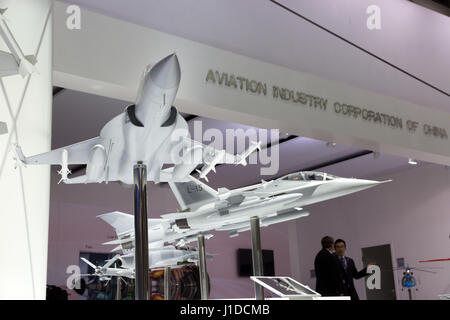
[{"x": 308, "y": 176}]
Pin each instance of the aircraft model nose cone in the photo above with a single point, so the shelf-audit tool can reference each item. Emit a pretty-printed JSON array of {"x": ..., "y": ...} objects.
[
  {"x": 360, "y": 184},
  {"x": 166, "y": 73}
]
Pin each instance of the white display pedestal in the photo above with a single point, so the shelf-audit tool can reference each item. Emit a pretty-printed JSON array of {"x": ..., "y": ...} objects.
[{"x": 287, "y": 288}]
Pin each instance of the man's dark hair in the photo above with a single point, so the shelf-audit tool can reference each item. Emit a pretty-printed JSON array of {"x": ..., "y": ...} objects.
[
  {"x": 327, "y": 242},
  {"x": 339, "y": 241}
]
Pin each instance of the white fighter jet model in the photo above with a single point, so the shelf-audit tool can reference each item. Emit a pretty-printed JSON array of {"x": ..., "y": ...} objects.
[
  {"x": 13, "y": 62},
  {"x": 276, "y": 201},
  {"x": 157, "y": 258},
  {"x": 160, "y": 231},
  {"x": 160, "y": 255},
  {"x": 151, "y": 132}
]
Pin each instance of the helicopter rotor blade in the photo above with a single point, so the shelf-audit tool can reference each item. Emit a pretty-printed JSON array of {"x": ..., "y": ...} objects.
[{"x": 423, "y": 270}]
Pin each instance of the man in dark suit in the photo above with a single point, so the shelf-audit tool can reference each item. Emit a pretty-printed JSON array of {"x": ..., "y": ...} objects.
[
  {"x": 326, "y": 267},
  {"x": 347, "y": 270}
]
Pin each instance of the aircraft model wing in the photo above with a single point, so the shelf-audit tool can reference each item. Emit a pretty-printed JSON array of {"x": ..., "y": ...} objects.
[
  {"x": 216, "y": 156},
  {"x": 77, "y": 153}
]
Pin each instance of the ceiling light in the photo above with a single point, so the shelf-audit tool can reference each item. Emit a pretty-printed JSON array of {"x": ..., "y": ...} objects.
[
  {"x": 331, "y": 144},
  {"x": 412, "y": 161}
]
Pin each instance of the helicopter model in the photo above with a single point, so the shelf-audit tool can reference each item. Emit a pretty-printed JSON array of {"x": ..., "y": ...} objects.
[{"x": 408, "y": 280}]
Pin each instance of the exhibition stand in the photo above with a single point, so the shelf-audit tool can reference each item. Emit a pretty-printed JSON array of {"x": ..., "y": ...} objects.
[
  {"x": 141, "y": 231},
  {"x": 202, "y": 267}
]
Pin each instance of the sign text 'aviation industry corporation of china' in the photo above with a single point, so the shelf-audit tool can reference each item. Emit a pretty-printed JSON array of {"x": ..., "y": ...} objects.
[{"x": 256, "y": 87}]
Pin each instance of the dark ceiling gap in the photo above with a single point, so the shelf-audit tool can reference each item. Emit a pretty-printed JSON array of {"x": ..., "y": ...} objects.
[{"x": 57, "y": 90}]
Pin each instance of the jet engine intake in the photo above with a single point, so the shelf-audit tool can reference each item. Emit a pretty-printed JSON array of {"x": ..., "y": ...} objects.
[{"x": 95, "y": 169}]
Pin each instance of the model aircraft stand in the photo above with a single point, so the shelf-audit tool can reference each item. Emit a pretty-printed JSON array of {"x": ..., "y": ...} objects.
[
  {"x": 257, "y": 255},
  {"x": 118, "y": 288},
  {"x": 202, "y": 267},
  {"x": 167, "y": 283},
  {"x": 141, "y": 231}
]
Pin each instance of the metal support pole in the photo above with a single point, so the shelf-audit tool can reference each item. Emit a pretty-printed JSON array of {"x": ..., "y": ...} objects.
[
  {"x": 118, "y": 288},
  {"x": 257, "y": 255},
  {"x": 167, "y": 283},
  {"x": 140, "y": 231},
  {"x": 202, "y": 267}
]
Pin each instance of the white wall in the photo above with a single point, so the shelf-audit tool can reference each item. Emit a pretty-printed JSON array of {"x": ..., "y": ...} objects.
[
  {"x": 411, "y": 213},
  {"x": 25, "y": 105}
]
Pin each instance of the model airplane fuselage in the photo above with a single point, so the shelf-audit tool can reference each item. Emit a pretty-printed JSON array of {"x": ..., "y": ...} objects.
[
  {"x": 273, "y": 202},
  {"x": 151, "y": 132},
  {"x": 157, "y": 258},
  {"x": 205, "y": 209}
]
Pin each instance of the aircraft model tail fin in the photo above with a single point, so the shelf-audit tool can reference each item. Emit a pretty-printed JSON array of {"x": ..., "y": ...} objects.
[
  {"x": 192, "y": 194},
  {"x": 120, "y": 221}
]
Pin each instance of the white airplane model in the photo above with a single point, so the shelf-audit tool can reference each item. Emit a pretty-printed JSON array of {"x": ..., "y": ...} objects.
[
  {"x": 15, "y": 61},
  {"x": 205, "y": 209},
  {"x": 276, "y": 201},
  {"x": 157, "y": 258},
  {"x": 151, "y": 132},
  {"x": 159, "y": 232}
]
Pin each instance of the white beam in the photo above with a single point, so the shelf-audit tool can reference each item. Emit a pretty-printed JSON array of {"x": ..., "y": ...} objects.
[{"x": 25, "y": 105}]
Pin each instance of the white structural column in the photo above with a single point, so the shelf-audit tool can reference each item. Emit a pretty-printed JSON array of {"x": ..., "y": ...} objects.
[
  {"x": 25, "y": 106},
  {"x": 294, "y": 249}
]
